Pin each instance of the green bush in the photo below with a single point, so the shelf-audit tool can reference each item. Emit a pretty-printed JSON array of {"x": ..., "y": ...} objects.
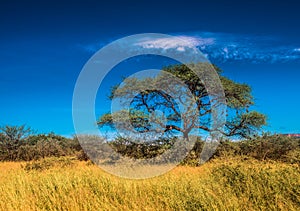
[{"x": 18, "y": 143}]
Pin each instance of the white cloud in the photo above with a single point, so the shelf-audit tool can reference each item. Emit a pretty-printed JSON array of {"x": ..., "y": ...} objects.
[
  {"x": 179, "y": 43},
  {"x": 181, "y": 48}
]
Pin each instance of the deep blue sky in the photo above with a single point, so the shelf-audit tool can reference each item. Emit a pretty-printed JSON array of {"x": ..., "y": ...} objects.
[{"x": 44, "y": 45}]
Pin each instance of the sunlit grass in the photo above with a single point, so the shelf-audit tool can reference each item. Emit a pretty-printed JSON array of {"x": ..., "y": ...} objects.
[{"x": 231, "y": 184}]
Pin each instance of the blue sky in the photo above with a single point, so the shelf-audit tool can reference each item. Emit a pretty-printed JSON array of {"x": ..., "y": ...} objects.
[{"x": 44, "y": 46}]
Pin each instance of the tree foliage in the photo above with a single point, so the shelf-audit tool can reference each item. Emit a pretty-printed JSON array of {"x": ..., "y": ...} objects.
[{"x": 241, "y": 122}]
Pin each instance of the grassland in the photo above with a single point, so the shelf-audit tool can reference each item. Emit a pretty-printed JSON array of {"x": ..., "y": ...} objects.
[{"x": 223, "y": 184}]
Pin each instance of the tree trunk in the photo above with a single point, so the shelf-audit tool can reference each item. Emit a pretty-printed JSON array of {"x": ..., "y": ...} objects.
[{"x": 186, "y": 136}]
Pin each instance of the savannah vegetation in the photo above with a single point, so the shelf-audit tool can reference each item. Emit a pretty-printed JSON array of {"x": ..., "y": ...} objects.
[
  {"x": 261, "y": 171},
  {"x": 20, "y": 143}
]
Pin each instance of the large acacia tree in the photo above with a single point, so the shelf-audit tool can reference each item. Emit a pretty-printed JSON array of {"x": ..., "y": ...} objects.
[{"x": 241, "y": 121}]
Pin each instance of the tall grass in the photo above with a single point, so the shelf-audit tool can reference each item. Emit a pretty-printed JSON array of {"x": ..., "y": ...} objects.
[{"x": 231, "y": 184}]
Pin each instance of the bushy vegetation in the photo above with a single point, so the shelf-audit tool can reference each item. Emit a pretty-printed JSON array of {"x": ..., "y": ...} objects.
[
  {"x": 20, "y": 143},
  {"x": 141, "y": 150},
  {"x": 267, "y": 147}
]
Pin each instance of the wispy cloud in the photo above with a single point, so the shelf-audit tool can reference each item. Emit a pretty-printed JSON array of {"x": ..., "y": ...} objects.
[
  {"x": 91, "y": 47},
  {"x": 297, "y": 49},
  {"x": 179, "y": 43},
  {"x": 224, "y": 47}
]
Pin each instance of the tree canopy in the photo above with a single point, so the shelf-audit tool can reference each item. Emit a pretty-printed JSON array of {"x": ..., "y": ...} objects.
[{"x": 150, "y": 94}]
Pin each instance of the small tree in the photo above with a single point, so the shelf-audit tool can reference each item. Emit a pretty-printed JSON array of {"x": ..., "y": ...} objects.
[{"x": 12, "y": 137}]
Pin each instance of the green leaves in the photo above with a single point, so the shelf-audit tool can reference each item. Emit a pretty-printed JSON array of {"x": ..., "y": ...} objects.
[
  {"x": 237, "y": 95},
  {"x": 245, "y": 125}
]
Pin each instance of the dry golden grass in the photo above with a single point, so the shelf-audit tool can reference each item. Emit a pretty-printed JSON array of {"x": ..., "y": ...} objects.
[{"x": 232, "y": 184}]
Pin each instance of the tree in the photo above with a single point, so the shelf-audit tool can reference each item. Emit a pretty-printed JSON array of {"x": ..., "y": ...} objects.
[
  {"x": 11, "y": 138},
  {"x": 196, "y": 114},
  {"x": 16, "y": 133}
]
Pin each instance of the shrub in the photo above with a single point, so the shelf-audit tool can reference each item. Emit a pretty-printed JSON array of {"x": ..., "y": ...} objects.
[
  {"x": 14, "y": 145},
  {"x": 272, "y": 147},
  {"x": 48, "y": 163}
]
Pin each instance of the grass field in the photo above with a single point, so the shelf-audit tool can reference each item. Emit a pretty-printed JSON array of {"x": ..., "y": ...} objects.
[{"x": 227, "y": 184}]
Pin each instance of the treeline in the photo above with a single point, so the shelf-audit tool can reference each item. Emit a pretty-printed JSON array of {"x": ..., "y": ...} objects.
[
  {"x": 21, "y": 143},
  {"x": 266, "y": 147}
]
